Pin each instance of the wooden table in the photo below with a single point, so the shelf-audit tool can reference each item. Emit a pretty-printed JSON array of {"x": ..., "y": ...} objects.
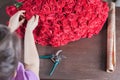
[{"x": 86, "y": 58}]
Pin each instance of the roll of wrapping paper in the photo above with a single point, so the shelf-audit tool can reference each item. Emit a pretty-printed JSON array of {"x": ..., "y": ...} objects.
[{"x": 111, "y": 40}]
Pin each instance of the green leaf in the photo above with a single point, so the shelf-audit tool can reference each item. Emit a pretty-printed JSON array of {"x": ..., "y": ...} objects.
[{"x": 18, "y": 4}]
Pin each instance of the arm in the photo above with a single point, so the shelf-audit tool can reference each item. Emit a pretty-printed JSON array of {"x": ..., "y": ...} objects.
[
  {"x": 31, "y": 58},
  {"x": 14, "y": 21}
]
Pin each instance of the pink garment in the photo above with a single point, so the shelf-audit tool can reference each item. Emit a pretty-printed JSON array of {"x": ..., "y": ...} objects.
[{"x": 23, "y": 74}]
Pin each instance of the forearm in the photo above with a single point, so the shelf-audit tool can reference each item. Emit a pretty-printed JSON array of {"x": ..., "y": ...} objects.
[{"x": 31, "y": 57}]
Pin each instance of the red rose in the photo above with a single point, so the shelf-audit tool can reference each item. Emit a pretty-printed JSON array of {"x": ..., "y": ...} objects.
[
  {"x": 63, "y": 21},
  {"x": 11, "y": 10}
]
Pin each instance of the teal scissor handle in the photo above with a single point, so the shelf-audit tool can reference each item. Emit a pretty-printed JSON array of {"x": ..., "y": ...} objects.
[
  {"x": 46, "y": 57},
  {"x": 54, "y": 67}
]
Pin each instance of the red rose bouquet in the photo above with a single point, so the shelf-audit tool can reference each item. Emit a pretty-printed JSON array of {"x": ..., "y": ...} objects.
[{"x": 62, "y": 21}]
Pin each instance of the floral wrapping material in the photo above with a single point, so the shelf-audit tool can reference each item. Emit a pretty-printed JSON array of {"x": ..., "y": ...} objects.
[{"x": 62, "y": 21}]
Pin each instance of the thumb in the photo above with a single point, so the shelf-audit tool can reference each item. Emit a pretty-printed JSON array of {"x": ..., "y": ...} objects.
[{"x": 22, "y": 21}]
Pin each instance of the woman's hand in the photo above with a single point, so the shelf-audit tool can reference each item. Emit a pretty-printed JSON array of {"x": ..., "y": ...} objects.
[
  {"x": 15, "y": 21},
  {"x": 32, "y": 23}
]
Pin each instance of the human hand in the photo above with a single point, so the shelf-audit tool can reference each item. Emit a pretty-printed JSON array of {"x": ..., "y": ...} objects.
[
  {"x": 15, "y": 21},
  {"x": 32, "y": 23}
]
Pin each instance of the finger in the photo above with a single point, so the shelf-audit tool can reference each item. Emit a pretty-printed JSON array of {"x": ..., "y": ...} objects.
[
  {"x": 21, "y": 11},
  {"x": 37, "y": 18},
  {"x": 23, "y": 14},
  {"x": 22, "y": 21},
  {"x": 32, "y": 19},
  {"x": 18, "y": 14}
]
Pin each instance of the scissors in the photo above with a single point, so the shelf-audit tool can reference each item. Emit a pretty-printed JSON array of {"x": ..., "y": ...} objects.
[{"x": 56, "y": 58}]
